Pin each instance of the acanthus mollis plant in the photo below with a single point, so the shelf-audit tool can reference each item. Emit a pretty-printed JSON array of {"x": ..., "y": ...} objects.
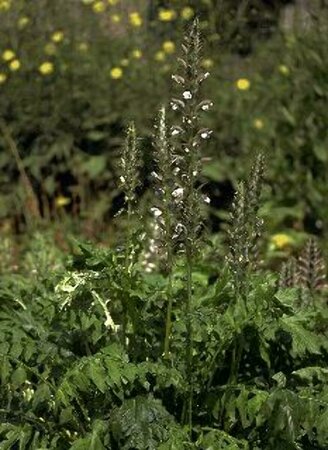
[
  {"x": 245, "y": 228},
  {"x": 243, "y": 259},
  {"x": 129, "y": 182},
  {"x": 308, "y": 272},
  {"x": 312, "y": 267},
  {"x": 188, "y": 135}
]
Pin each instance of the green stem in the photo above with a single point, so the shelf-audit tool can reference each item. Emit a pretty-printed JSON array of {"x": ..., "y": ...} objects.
[
  {"x": 189, "y": 399},
  {"x": 125, "y": 299},
  {"x": 168, "y": 324},
  {"x": 169, "y": 288}
]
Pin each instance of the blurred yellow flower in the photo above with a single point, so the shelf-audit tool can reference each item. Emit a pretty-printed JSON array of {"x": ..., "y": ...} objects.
[
  {"x": 99, "y": 7},
  {"x": 46, "y": 68},
  {"x": 3, "y": 77},
  {"x": 166, "y": 15},
  {"x": 243, "y": 84},
  {"x": 281, "y": 240},
  {"x": 5, "y": 5},
  {"x": 23, "y": 21},
  {"x": 135, "y": 19},
  {"x": 57, "y": 36},
  {"x": 83, "y": 47},
  {"x": 124, "y": 62},
  {"x": 137, "y": 54},
  {"x": 115, "y": 18},
  {"x": 160, "y": 56},
  {"x": 116, "y": 73},
  {"x": 50, "y": 48},
  {"x": 8, "y": 55},
  {"x": 15, "y": 65},
  {"x": 187, "y": 13},
  {"x": 258, "y": 124},
  {"x": 207, "y": 63},
  {"x": 168, "y": 47},
  {"x": 61, "y": 201},
  {"x": 284, "y": 70},
  {"x": 112, "y": 2}
]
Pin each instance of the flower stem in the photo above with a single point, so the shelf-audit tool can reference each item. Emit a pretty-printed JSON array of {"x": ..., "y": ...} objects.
[{"x": 189, "y": 340}]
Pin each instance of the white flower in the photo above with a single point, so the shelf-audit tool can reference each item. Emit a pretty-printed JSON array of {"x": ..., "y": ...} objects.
[
  {"x": 155, "y": 175},
  {"x": 175, "y": 131},
  {"x": 177, "y": 193},
  {"x": 207, "y": 199},
  {"x": 187, "y": 95},
  {"x": 156, "y": 211},
  {"x": 178, "y": 79},
  {"x": 207, "y": 106},
  {"x": 122, "y": 179},
  {"x": 206, "y": 134}
]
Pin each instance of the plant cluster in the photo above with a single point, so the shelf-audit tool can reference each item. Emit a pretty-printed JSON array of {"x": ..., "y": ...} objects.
[{"x": 200, "y": 351}]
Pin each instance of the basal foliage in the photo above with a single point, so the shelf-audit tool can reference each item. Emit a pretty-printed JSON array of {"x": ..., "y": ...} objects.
[{"x": 200, "y": 351}]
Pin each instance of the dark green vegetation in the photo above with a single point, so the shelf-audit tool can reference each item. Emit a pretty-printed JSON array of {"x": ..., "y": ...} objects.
[{"x": 169, "y": 340}]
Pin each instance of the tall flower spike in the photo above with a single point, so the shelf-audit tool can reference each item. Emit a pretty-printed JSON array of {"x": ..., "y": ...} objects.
[
  {"x": 246, "y": 225},
  {"x": 288, "y": 276},
  {"x": 130, "y": 165},
  {"x": 165, "y": 183},
  {"x": 311, "y": 267},
  {"x": 188, "y": 136}
]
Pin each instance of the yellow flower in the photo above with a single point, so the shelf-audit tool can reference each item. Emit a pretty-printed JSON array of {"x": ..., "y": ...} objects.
[
  {"x": 112, "y": 2},
  {"x": 8, "y": 55},
  {"x": 160, "y": 56},
  {"x": 83, "y": 47},
  {"x": 281, "y": 240},
  {"x": 168, "y": 47},
  {"x": 5, "y": 5},
  {"x": 115, "y": 18},
  {"x": 258, "y": 124},
  {"x": 61, "y": 201},
  {"x": 135, "y": 19},
  {"x": 46, "y": 68},
  {"x": 137, "y": 54},
  {"x": 58, "y": 36},
  {"x": 15, "y": 65},
  {"x": 284, "y": 70},
  {"x": 116, "y": 73},
  {"x": 243, "y": 84},
  {"x": 3, "y": 77},
  {"x": 99, "y": 7},
  {"x": 23, "y": 21},
  {"x": 166, "y": 15},
  {"x": 187, "y": 13},
  {"x": 207, "y": 63},
  {"x": 124, "y": 62},
  {"x": 50, "y": 49}
]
